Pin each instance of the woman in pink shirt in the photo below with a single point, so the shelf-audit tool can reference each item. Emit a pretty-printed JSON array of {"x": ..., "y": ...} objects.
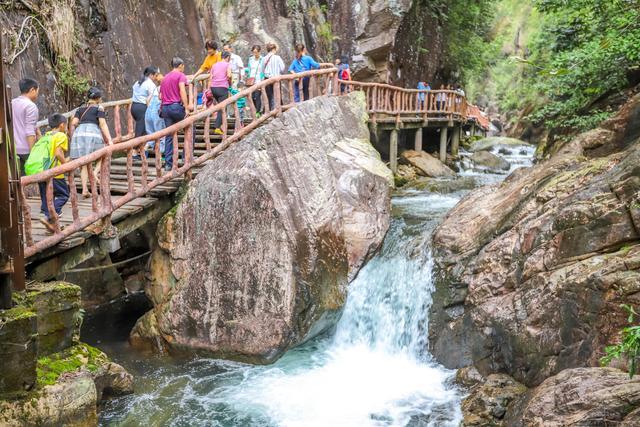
[{"x": 220, "y": 78}]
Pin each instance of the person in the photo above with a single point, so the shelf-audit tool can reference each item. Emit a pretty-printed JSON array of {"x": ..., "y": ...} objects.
[
  {"x": 49, "y": 152},
  {"x": 441, "y": 99},
  {"x": 213, "y": 56},
  {"x": 220, "y": 78},
  {"x": 421, "y": 95},
  {"x": 255, "y": 75},
  {"x": 273, "y": 67},
  {"x": 236, "y": 65},
  {"x": 25, "y": 117},
  {"x": 175, "y": 105},
  {"x": 152, "y": 120},
  {"x": 449, "y": 98},
  {"x": 91, "y": 134},
  {"x": 302, "y": 62},
  {"x": 142, "y": 92},
  {"x": 344, "y": 72},
  {"x": 242, "y": 102},
  {"x": 459, "y": 98}
]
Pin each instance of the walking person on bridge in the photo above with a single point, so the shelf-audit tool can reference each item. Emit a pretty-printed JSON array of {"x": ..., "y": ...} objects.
[
  {"x": 49, "y": 152},
  {"x": 255, "y": 75},
  {"x": 175, "y": 104},
  {"x": 213, "y": 56},
  {"x": 90, "y": 134},
  {"x": 237, "y": 66},
  {"x": 153, "y": 122},
  {"x": 25, "y": 117},
  {"x": 273, "y": 67},
  {"x": 221, "y": 75},
  {"x": 142, "y": 92},
  {"x": 441, "y": 99},
  {"x": 302, "y": 62}
]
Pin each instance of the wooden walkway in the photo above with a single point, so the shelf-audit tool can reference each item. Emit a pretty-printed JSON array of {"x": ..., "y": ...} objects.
[{"x": 128, "y": 187}]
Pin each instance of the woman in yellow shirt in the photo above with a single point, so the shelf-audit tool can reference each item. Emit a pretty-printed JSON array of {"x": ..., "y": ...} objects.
[{"x": 213, "y": 56}]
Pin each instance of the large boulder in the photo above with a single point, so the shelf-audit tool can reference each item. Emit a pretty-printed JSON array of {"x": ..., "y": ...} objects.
[
  {"x": 488, "y": 401},
  {"x": 579, "y": 397},
  {"x": 485, "y": 159},
  {"x": 426, "y": 164},
  {"x": 486, "y": 144},
  {"x": 532, "y": 272},
  {"x": 257, "y": 255}
]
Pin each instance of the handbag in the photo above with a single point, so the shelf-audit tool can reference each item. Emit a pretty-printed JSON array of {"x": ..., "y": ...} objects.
[{"x": 252, "y": 80}]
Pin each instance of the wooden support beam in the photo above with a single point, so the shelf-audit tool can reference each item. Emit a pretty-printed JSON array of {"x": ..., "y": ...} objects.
[
  {"x": 418, "y": 140},
  {"x": 393, "y": 151},
  {"x": 455, "y": 140},
  {"x": 473, "y": 129},
  {"x": 443, "y": 143}
]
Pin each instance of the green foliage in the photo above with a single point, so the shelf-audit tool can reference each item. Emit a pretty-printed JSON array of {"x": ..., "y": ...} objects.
[
  {"x": 629, "y": 346},
  {"x": 71, "y": 86},
  {"x": 574, "y": 54}
]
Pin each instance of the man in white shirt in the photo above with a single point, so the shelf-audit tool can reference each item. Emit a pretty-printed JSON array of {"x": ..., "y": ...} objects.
[
  {"x": 237, "y": 66},
  {"x": 25, "y": 117}
]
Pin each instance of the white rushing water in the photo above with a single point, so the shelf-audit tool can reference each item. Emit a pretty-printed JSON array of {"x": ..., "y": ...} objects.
[{"x": 373, "y": 370}]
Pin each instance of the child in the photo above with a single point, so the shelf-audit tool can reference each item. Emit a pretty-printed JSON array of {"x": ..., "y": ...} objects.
[
  {"x": 242, "y": 102},
  {"x": 48, "y": 152}
]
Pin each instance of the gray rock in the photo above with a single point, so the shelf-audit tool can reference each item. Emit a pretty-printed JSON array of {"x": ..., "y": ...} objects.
[
  {"x": 486, "y": 144},
  {"x": 426, "y": 164},
  {"x": 257, "y": 256},
  {"x": 579, "y": 397},
  {"x": 490, "y": 161},
  {"x": 488, "y": 401}
]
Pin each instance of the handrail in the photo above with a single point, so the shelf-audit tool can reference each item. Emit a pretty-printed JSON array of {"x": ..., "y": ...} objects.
[
  {"x": 321, "y": 82},
  {"x": 382, "y": 99}
]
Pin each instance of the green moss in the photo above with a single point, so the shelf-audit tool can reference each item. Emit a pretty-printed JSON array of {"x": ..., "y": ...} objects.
[
  {"x": 17, "y": 313},
  {"x": 76, "y": 358}
]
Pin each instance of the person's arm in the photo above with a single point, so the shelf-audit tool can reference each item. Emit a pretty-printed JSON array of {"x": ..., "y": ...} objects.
[
  {"x": 313, "y": 63},
  {"x": 280, "y": 65},
  {"x": 102, "y": 122},
  {"x": 183, "y": 96},
  {"x": 292, "y": 68},
  {"x": 229, "y": 71},
  {"x": 30, "y": 125},
  {"x": 59, "y": 154}
]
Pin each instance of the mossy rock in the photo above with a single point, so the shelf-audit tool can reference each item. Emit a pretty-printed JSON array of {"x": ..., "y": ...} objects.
[
  {"x": 74, "y": 359},
  {"x": 18, "y": 350}
]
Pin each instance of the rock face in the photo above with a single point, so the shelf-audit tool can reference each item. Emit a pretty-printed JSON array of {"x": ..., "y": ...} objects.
[
  {"x": 488, "y": 401},
  {"x": 426, "y": 164},
  {"x": 109, "y": 42},
  {"x": 532, "y": 272},
  {"x": 489, "y": 160},
  {"x": 257, "y": 255},
  {"x": 579, "y": 397}
]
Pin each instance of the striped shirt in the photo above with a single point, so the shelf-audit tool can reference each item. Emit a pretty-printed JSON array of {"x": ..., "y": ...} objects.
[{"x": 274, "y": 65}]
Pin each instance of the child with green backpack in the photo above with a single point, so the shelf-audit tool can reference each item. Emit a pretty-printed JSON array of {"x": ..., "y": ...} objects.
[{"x": 48, "y": 152}]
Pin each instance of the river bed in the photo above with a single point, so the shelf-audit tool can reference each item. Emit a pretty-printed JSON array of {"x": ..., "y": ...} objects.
[{"x": 372, "y": 369}]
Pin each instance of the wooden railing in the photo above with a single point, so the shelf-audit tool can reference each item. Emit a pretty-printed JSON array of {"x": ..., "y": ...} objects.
[
  {"x": 381, "y": 100},
  {"x": 396, "y": 101},
  {"x": 103, "y": 203}
]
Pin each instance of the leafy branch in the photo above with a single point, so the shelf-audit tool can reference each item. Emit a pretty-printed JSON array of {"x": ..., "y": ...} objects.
[{"x": 629, "y": 347}]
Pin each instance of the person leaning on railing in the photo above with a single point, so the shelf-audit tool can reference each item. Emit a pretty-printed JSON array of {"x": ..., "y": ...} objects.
[
  {"x": 90, "y": 134},
  {"x": 302, "y": 62},
  {"x": 175, "y": 104}
]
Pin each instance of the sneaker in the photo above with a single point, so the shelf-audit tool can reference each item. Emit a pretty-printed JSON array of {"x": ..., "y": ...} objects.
[{"x": 218, "y": 132}]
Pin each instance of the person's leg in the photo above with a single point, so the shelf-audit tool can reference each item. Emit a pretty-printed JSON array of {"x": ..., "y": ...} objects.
[
  {"x": 296, "y": 91},
  {"x": 96, "y": 172},
  {"x": 257, "y": 101},
  {"x": 305, "y": 88},
  {"x": 220, "y": 94},
  {"x": 42, "y": 186},
  {"x": 84, "y": 178},
  {"x": 60, "y": 194},
  {"x": 22, "y": 160},
  {"x": 270, "y": 97},
  {"x": 168, "y": 141},
  {"x": 138, "y": 111}
]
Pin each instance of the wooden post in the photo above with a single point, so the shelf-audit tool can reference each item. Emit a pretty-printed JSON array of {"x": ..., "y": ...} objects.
[
  {"x": 443, "y": 143},
  {"x": 455, "y": 140},
  {"x": 393, "y": 151},
  {"x": 473, "y": 129},
  {"x": 418, "y": 140}
]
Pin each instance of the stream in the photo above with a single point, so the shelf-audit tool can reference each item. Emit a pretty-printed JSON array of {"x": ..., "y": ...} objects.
[{"x": 372, "y": 369}]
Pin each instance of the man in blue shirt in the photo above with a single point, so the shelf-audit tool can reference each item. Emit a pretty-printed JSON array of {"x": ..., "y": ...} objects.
[{"x": 302, "y": 62}]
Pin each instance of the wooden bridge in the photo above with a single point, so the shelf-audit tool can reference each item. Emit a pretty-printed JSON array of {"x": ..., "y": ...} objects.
[{"x": 125, "y": 186}]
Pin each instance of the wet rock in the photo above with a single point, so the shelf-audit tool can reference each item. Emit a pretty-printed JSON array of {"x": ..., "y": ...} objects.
[
  {"x": 263, "y": 244},
  {"x": 579, "y": 397},
  {"x": 486, "y": 144},
  {"x": 426, "y": 164},
  {"x": 404, "y": 175},
  {"x": 489, "y": 160},
  {"x": 18, "y": 349},
  {"x": 469, "y": 377},
  {"x": 547, "y": 258},
  {"x": 487, "y": 403},
  {"x": 112, "y": 379},
  {"x": 506, "y": 152},
  {"x": 443, "y": 185},
  {"x": 70, "y": 402}
]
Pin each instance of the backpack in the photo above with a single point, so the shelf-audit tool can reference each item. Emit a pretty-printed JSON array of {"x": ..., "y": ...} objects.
[
  {"x": 345, "y": 74},
  {"x": 40, "y": 156}
]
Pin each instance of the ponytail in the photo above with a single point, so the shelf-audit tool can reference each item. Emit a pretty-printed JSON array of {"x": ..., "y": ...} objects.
[
  {"x": 148, "y": 72},
  {"x": 299, "y": 50}
]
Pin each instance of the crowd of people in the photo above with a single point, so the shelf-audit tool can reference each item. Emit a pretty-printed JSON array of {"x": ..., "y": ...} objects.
[
  {"x": 443, "y": 100},
  {"x": 158, "y": 101}
]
